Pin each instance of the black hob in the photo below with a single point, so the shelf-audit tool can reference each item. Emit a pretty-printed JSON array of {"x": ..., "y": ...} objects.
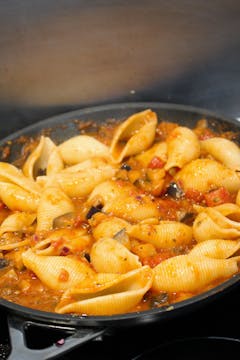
[{"x": 210, "y": 330}]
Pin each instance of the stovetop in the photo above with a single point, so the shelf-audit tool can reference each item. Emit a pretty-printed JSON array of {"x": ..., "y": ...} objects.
[{"x": 212, "y": 320}]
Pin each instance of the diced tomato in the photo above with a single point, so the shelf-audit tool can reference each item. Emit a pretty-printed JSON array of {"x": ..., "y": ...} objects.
[
  {"x": 194, "y": 195},
  {"x": 154, "y": 260},
  {"x": 156, "y": 163},
  {"x": 217, "y": 197}
]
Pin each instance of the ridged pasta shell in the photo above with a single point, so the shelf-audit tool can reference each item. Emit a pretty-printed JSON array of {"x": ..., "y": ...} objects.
[
  {"x": 17, "y": 222},
  {"x": 205, "y": 174},
  {"x": 110, "y": 297},
  {"x": 134, "y": 135},
  {"x": 223, "y": 150},
  {"x": 159, "y": 150},
  {"x": 227, "y": 209},
  {"x": 53, "y": 203},
  {"x": 182, "y": 147},
  {"x": 72, "y": 240},
  {"x": 82, "y": 147},
  {"x": 216, "y": 248},
  {"x": 10, "y": 173},
  {"x": 44, "y": 157},
  {"x": 57, "y": 272},
  {"x": 103, "y": 225},
  {"x": 81, "y": 183},
  {"x": 109, "y": 256},
  {"x": 16, "y": 198},
  {"x": 211, "y": 224},
  {"x": 93, "y": 163},
  {"x": 124, "y": 200},
  {"x": 167, "y": 234},
  {"x": 192, "y": 272}
]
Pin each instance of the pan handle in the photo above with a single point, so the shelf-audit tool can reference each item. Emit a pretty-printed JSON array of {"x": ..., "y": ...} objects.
[{"x": 20, "y": 350}]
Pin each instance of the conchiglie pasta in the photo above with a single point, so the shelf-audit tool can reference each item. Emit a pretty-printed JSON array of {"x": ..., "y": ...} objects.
[
  {"x": 16, "y": 198},
  {"x": 44, "y": 157},
  {"x": 57, "y": 272},
  {"x": 183, "y": 273},
  {"x": 157, "y": 150},
  {"x": 223, "y": 150},
  {"x": 211, "y": 224},
  {"x": 53, "y": 203},
  {"x": 134, "y": 135},
  {"x": 81, "y": 183},
  {"x": 109, "y": 256},
  {"x": 10, "y": 173},
  {"x": 192, "y": 272},
  {"x": 205, "y": 174},
  {"x": 110, "y": 296},
  {"x": 216, "y": 248},
  {"x": 18, "y": 222},
  {"x": 167, "y": 234},
  {"x": 81, "y": 148},
  {"x": 182, "y": 147},
  {"x": 62, "y": 241},
  {"x": 106, "y": 226},
  {"x": 123, "y": 200}
]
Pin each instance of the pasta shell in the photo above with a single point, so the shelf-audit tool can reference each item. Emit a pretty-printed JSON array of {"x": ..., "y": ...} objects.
[
  {"x": 10, "y": 173},
  {"x": 70, "y": 240},
  {"x": 57, "y": 272},
  {"x": 217, "y": 249},
  {"x": 110, "y": 297},
  {"x": 106, "y": 226},
  {"x": 157, "y": 150},
  {"x": 16, "y": 198},
  {"x": 44, "y": 156},
  {"x": 182, "y": 147},
  {"x": 82, "y": 147},
  {"x": 134, "y": 135},
  {"x": 17, "y": 222},
  {"x": 81, "y": 183},
  {"x": 223, "y": 150},
  {"x": 226, "y": 209},
  {"x": 191, "y": 274},
  {"x": 114, "y": 195},
  {"x": 205, "y": 174},
  {"x": 205, "y": 263},
  {"x": 211, "y": 224},
  {"x": 93, "y": 163},
  {"x": 167, "y": 234},
  {"x": 109, "y": 256},
  {"x": 53, "y": 203}
]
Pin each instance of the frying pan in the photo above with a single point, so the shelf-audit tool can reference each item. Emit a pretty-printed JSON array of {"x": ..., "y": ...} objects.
[{"x": 80, "y": 329}]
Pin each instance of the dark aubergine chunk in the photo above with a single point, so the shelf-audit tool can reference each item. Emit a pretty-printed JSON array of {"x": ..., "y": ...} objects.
[
  {"x": 87, "y": 257},
  {"x": 174, "y": 190},
  {"x": 126, "y": 167},
  {"x": 3, "y": 263},
  {"x": 158, "y": 300},
  {"x": 93, "y": 210},
  {"x": 188, "y": 218}
]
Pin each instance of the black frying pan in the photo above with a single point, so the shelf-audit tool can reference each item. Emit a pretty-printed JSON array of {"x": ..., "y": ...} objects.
[{"x": 81, "y": 329}]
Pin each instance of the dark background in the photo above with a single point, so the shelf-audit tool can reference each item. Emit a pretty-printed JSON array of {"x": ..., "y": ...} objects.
[{"x": 61, "y": 55}]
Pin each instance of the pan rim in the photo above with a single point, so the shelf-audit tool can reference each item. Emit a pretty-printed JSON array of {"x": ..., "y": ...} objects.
[{"x": 70, "y": 115}]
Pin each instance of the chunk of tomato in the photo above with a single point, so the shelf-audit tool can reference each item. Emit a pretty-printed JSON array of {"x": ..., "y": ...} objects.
[
  {"x": 217, "y": 197},
  {"x": 156, "y": 163}
]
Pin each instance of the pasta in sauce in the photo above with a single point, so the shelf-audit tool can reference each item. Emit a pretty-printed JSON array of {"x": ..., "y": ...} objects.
[{"x": 142, "y": 215}]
